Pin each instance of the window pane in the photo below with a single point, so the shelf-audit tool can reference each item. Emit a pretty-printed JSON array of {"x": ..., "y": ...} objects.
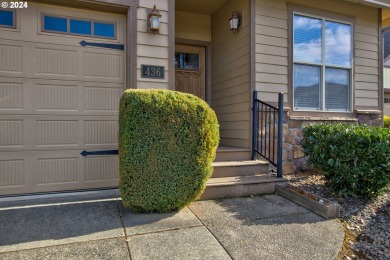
[
  {"x": 6, "y": 18},
  {"x": 336, "y": 89},
  {"x": 338, "y": 44},
  {"x": 307, "y": 86},
  {"x": 187, "y": 61},
  {"x": 307, "y": 39},
  {"x": 104, "y": 29},
  {"x": 80, "y": 27},
  {"x": 57, "y": 24}
]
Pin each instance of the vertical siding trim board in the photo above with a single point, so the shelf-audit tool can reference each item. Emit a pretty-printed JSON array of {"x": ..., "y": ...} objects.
[
  {"x": 208, "y": 73},
  {"x": 252, "y": 28},
  {"x": 380, "y": 61},
  {"x": 171, "y": 40},
  {"x": 131, "y": 55}
]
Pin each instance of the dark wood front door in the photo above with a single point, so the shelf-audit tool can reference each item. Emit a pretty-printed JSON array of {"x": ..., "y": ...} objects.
[{"x": 190, "y": 70}]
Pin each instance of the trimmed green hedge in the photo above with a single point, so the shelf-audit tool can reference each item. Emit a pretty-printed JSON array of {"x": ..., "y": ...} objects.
[
  {"x": 355, "y": 159},
  {"x": 167, "y": 142},
  {"x": 387, "y": 121}
]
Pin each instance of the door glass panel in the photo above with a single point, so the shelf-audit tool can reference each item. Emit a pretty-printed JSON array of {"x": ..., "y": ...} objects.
[{"x": 186, "y": 61}]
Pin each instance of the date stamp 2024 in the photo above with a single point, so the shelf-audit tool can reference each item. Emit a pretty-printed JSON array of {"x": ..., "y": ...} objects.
[{"x": 15, "y": 5}]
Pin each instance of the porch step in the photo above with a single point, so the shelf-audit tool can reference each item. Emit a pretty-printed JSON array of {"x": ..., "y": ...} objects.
[
  {"x": 230, "y": 187},
  {"x": 239, "y": 168},
  {"x": 226, "y": 153}
]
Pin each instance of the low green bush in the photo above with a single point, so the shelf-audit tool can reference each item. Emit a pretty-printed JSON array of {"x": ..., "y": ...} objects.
[
  {"x": 387, "y": 121},
  {"x": 355, "y": 159},
  {"x": 167, "y": 142}
]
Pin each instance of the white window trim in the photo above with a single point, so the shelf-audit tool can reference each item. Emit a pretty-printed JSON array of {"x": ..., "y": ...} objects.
[{"x": 323, "y": 65}]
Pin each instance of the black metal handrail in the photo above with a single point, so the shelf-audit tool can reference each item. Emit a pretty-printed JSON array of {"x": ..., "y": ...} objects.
[{"x": 267, "y": 132}]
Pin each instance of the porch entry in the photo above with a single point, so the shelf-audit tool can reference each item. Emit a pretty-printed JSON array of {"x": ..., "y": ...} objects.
[{"x": 190, "y": 70}]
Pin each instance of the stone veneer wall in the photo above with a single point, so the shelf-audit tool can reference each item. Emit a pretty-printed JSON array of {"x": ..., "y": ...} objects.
[{"x": 293, "y": 157}]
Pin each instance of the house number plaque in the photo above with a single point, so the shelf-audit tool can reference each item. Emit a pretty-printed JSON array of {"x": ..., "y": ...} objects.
[{"x": 152, "y": 72}]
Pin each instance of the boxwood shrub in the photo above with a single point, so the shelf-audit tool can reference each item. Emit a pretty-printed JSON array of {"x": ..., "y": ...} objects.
[
  {"x": 167, "y": 142},
  {"x": 387, "y": 121},
  {"x": 355, "y": 159}
]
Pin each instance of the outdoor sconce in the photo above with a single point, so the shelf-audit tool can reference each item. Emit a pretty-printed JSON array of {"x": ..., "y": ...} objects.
[
  {"x": 154, "y": 20},
  {"x": 235, "y": 21}
]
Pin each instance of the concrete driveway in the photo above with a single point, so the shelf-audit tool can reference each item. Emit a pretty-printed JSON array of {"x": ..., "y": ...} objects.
[{"x": 93, "y": 227}]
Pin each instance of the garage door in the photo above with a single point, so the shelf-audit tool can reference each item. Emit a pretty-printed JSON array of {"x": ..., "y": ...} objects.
[{"x": 58, "y": 98}]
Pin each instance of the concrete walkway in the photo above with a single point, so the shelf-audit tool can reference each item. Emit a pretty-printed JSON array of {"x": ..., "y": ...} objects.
[{"x": 261, "y": 227}]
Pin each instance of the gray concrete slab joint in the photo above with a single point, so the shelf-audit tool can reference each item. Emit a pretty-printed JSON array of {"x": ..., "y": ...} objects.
[{"x": 222, "y": 245}]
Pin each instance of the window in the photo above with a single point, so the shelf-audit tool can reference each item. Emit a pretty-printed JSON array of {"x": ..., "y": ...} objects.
[
  {"x": 80, "y": 27},
  {"x": 55, "y": 24},
  {"x": 104, "y": 29},
  {"x": 387, "y": 100},
  {"x": 322, "y": 57},
  {"x": 186, "y": 61},
  {"x": 7, "y": 19},
  {"x": 75, "y": 26}
]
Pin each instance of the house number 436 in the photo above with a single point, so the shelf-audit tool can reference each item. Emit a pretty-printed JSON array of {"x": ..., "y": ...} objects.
[{"x": 154, "y": 72}]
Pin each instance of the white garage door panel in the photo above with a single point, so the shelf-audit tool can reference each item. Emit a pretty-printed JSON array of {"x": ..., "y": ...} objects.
[
  {"x": 50, "y": 132},
  {"x": 57, "y": 99},
  {"x": 48, "y": 61},
  {"x": 55, "y": 171},
  {"x": 56, "y": 96}
]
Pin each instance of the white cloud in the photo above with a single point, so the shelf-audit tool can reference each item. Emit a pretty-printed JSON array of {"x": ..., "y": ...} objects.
[
  {"x": 338, "y": 45},
  {"x": 308, "y": 51},
  {"x": 306, "y": 23}
]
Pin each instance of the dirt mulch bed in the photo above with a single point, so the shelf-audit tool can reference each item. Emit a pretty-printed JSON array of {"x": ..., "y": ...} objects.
[{"x": 367, "y": 223}]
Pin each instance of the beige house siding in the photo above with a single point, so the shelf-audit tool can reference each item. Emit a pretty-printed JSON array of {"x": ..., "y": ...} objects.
[
  {"x": 386, "y": 78},
  {"x": 230, "y": 75},
  {"x": 191, "y": 26},
  {"x": 152, "y": 49},
  {"x": 386, "y": 110},
  {"x": 271, "y": 50}
]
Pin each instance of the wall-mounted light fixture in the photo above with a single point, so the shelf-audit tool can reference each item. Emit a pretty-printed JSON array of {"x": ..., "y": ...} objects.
[
  {"x": 154, "y": 20},
  {"x": 235, "y": 21}
]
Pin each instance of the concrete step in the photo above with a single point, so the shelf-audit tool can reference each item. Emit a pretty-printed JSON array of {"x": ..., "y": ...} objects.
[
  {"x": 239, "y": 168},
  {"x": 226, "y": 153},
  {"x": 230, "y": 187}
]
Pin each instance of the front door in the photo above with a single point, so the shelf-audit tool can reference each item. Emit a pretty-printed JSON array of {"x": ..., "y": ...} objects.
[{"x": 190, "y": 70}]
